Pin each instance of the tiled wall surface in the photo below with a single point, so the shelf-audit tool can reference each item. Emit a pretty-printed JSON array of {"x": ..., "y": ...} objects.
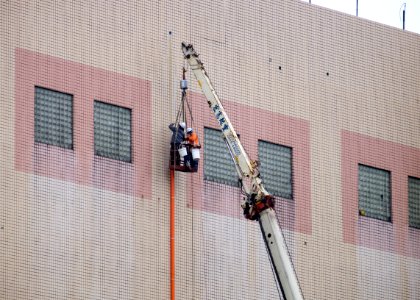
[{"x": 337, "y": 89}]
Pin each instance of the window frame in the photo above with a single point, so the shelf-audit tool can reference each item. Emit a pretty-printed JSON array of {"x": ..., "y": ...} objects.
[
  {"x": 221, "y": 181},
  {"x": 278, "y": 194},
  {"x": 416, "y": 226},
  {"x": 36, "y": 136},
  {"x": 101, "y": 102},
  {"x": 362, "y": 212}
]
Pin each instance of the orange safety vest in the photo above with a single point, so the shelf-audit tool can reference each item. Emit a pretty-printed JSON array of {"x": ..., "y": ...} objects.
[{"x": 193, "y": 140}]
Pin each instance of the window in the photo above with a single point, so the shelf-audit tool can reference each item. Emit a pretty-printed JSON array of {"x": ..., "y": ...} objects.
[
  {"x": 218, "y": 164},
  {"x": 53, "y": 118},
  {"x": 276, "y": 168},
  {"x": 112, "y": 126},
  {"x": 414, "y": 202},
  {"x": 374, "y": 193}
]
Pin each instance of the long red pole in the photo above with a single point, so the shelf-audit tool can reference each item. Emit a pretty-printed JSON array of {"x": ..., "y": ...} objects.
[{"x": 172, "y": 234}]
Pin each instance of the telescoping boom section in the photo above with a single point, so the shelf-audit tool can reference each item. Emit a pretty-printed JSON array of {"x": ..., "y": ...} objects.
[{"x": 258, "y": 204}]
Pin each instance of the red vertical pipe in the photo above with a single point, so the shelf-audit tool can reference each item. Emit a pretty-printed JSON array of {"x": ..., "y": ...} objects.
[{"x": 172, "y": 234}]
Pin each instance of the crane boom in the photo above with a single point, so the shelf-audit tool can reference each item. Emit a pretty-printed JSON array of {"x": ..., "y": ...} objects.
[{"x": 259, "y": 203}]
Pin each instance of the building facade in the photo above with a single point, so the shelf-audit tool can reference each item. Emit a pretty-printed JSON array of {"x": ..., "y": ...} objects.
[{"x": 329, "y": 103}]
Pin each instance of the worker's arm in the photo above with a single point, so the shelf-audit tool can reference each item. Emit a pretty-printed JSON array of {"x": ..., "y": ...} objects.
[{"x": 172, "y": 127}]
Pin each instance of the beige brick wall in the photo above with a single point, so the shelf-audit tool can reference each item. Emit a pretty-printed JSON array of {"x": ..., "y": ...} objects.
[{"x": 61, "y": 240}]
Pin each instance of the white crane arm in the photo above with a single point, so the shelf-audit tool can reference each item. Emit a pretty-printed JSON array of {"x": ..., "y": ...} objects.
[
  {"x": 238, "y": 152},
  {"x": 259, "y": 203}
]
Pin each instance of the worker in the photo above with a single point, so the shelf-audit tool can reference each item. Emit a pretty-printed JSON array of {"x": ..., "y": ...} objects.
[
  {"x": 176, "y": 141},
  {"x": 193, "y": 156}
]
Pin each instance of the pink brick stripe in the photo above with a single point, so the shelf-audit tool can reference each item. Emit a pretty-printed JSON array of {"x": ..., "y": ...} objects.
[
  {"x": 253, "y": 124},
  {"x": 402, "y": 161},
  {"x": 86, "y": 84}
]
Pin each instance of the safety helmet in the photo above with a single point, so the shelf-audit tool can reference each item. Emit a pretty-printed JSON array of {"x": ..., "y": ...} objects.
[
  {"x": 182, "y": 124},
  {"x": 189, "y": 130}
]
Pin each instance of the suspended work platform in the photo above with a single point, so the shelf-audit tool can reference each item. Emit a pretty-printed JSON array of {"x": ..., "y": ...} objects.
[
  {"x": 188, "y": 164},
  {"x": 185, "y": 145}
]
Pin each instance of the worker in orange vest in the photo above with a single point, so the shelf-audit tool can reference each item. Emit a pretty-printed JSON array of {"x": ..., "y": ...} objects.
[
  {"x": 193, "y": 143},
  {"x": 192, "y": 138}
]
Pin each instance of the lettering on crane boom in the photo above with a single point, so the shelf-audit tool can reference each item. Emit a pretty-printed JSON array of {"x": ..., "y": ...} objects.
[
  {"x": 235, "y": 146},
  {"x": 225, "y": 127}
]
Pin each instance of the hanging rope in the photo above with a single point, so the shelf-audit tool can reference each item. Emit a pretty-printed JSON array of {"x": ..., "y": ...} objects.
[
  {"x": 184, "y": 106},
  {"x": 192, "y": 118},
  {"x": 181, "y": 114}
]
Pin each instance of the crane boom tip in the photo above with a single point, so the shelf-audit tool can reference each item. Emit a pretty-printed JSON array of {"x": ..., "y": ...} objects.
[{"x": 188, "y": 50}]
